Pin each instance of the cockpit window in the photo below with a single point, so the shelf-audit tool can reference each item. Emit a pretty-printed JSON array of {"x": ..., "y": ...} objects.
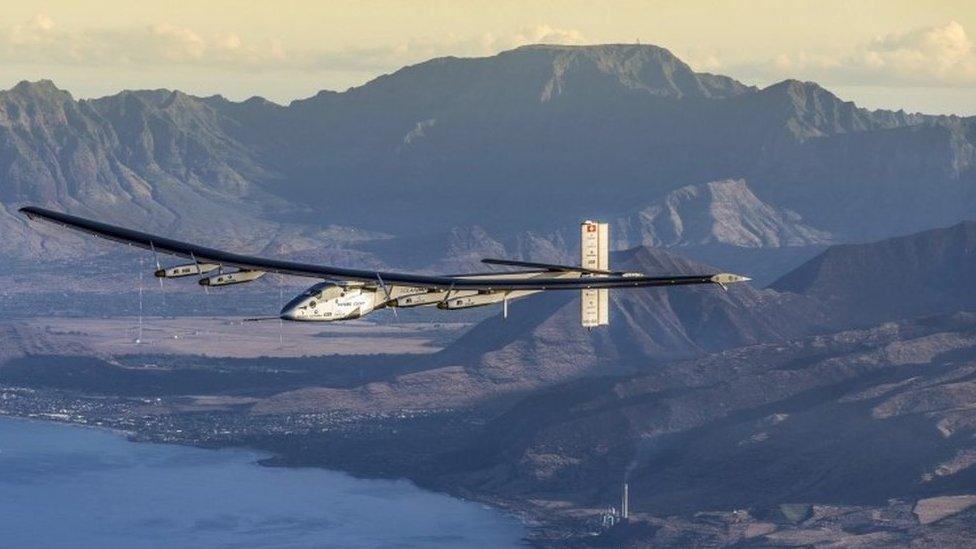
[
  {"x": 322, "y": 292},
  {"x": 331, "y": 293}
]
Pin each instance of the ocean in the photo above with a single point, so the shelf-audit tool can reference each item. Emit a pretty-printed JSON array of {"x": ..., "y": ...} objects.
[{"x": 69, "y": 486}]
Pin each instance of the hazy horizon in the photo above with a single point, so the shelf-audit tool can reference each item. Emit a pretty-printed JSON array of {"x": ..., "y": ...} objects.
[
  {"x": 892, "y": 55},
  {"x": 284, "y": 102}
]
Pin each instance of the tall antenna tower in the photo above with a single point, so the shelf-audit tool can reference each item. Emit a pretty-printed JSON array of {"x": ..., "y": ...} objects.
[
  {"x": 625, "y": 504},
  {"x": 139, "y": 336}
]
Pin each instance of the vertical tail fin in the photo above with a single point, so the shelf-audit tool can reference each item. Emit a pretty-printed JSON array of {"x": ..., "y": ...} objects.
[{"x": 594, "y": 254}]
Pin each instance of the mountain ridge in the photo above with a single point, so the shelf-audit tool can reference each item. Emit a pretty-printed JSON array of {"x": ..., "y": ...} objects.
[
  {"x": 451, "y": 138},
  {"x": 923, "y": 273},
  {"x": 541, "y": 343}
]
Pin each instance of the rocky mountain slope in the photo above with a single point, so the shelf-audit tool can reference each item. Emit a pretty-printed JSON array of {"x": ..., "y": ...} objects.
[
  {"x": 605, "y": 139},
  {"x": 720, "y": 212},
  {"x": 542, "y": 342},
  {"x": 923, "y": 273},
  {"x": 751, "y": 417},
  {"x": 853, "y": 436},
  {"x": 162, "y": 161},
  {"x": 721, "y": 222},
  {"x": 854, "y": 418},
  {"x": 532, "y": 139}
]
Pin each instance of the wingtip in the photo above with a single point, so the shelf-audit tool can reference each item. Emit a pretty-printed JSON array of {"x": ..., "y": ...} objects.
[{"x": 729, "y": 278}]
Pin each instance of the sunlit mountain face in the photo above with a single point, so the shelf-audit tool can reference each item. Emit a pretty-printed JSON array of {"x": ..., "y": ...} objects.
[{"x": 587, "y": 131}]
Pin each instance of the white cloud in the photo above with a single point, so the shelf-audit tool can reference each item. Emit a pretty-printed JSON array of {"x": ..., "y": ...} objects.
[
  {"x": 40, "y": 29},
  {"x": 419, "y": 49},
  {"x": 544, "y": 34},
  {"x": 940, "y": 55},
  {"x": 942, "y": 52},
  {"x": 701, "y": 60},
  {"x": 41, "y": 41}
]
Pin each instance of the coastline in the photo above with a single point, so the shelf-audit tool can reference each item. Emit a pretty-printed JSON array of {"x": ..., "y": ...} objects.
[{"x": 271, "y": 460}]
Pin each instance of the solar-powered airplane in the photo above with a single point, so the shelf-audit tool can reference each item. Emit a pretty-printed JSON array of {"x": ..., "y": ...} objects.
[{"x": 344, "y": 294}]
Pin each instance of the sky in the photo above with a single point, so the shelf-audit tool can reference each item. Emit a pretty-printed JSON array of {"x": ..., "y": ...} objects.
[{"x": 916, "y": 55}]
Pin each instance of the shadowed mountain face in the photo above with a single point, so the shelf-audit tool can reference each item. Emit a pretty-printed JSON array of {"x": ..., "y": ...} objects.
[
  {"x": 532, "y": 139},
  {"x": 722, "y": 223},
  {"x": 852, "y": 418},
  {"x": 925, "y": 273},
  {"x": 542, "y": 342},
  {"x": 794, "y": 428},
  {"x": 160, "y": 161},
  {"x": 590, "y": 130},
  {"x": 646, "y": 325}
]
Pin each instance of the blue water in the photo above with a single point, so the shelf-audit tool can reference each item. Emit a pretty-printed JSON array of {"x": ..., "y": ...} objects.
[{"x": 64, "y": 486}]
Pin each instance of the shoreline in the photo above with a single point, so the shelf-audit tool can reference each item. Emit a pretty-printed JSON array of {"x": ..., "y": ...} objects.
[{"x": 265, "y": 458}]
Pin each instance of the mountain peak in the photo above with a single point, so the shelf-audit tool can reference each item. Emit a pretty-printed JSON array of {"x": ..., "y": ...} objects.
[
  {"x": 606, "y": 48},
  {"x": 718, "y": 212},
  {"x": 802, "y": 92},
  {"x": 814, "y": 111},
  {"x": 542, "y": 73},
  {"x": 642, "y": 68},
  {"x": 867, "y": 282},
  {"x": 41, "y": 89},
  {"x": 180, "y": 100}
]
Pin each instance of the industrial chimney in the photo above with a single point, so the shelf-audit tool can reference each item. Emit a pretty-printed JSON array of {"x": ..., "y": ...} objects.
[{"x": 624, "y": 504}]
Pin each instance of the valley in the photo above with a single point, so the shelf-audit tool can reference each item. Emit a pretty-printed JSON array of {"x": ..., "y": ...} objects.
[
  {"x": 830, "y": 402},
  {"x": 749, "y": 417}
]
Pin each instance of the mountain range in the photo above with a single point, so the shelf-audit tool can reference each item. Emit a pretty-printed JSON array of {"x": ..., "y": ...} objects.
[
  {"x": 798, "y": 427},
  {"x": 842, "y": 416},
  {"x": 925, "y": 273},
  {"x": 527, "y": 141},
  {"x": 841, "y": 393}
]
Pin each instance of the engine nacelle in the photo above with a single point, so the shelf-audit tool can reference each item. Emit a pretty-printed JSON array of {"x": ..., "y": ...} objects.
[
  {"x": 474, "y": 300},
  {"x": 235, "y": 277},
  {"x": 331, "y": 301},
  {"x": 190, "y": 269},
  {"x": 431, "y": 297}
]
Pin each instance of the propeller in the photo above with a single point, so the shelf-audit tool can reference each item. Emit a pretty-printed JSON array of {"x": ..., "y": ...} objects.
[
  {"x": 389, "y": 298},
  {"x": 199, "y": 272},
  {"x": 156, "y": 259}
]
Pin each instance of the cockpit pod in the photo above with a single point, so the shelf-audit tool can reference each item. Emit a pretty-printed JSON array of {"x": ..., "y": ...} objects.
[{"x": 333, "y": 300}]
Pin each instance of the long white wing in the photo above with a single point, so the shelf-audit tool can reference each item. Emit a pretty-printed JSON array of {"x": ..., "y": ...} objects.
[{"x": 209, "y": 255}]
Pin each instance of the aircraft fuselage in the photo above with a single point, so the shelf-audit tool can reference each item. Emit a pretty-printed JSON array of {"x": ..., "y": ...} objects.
[{"x": 336, "y": 300}]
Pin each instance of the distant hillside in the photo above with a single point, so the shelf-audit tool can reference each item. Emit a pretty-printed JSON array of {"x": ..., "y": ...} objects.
[
  {"x": 542, "y": 342},
  {"x": 721, "y": 212},
  {"x": 161, "y": 161},
  {"x": 532, "y": 139},
  {"x": 925, "y": 273},
  {"x": 646, "y": 325},
  {"x": 853, "y": 418},
  {"x": 588, "y": 130}
]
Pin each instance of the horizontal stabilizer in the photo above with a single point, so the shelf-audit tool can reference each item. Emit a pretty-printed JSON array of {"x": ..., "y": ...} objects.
[{"x": 549, "y": 267}]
